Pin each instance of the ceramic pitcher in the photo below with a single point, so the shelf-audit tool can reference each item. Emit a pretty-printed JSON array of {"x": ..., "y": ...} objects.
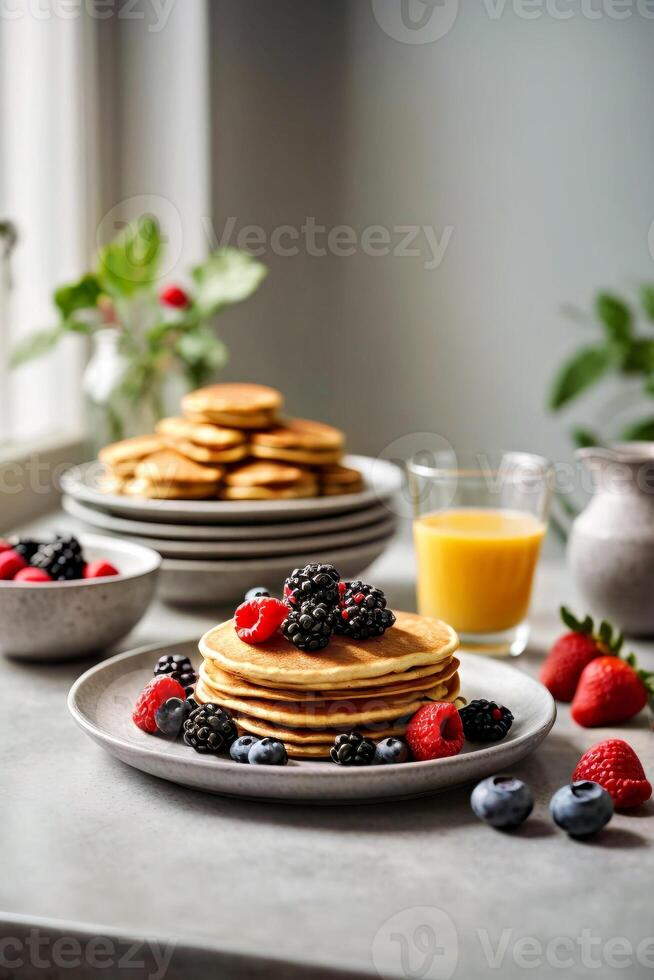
[{"x": 611, "y": 546}]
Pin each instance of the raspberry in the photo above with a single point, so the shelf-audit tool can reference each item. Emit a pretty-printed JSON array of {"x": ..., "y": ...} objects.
[
  {"x": 151, "y": 698},
  {"x": 11, "y": 563},
  {"x": 99, "y": 569},
  {"x": 615, "y": 766},
  {"x": 435, "y": 731},
  {"x": 32, "y": 575},
  {"x": 259, "y": 619},
  {"x": 174, "y": 296}
]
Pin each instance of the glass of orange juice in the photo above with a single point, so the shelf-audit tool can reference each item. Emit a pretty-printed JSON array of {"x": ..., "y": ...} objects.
[{"x": 479, "y": 521}]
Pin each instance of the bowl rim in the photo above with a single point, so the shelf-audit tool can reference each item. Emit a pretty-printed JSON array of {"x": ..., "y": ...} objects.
[{"x": 151, "y": 560}]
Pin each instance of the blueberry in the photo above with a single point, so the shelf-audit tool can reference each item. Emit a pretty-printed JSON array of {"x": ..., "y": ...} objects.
[
  {"x": 391, "y": 750},
  {"x": 581, "y": 808},
  {"x": 171, "y": 715},
  {"x": 240, "y": 748},
  {"x": 268, "y": 752},
  {"x": 502, "y": 801},
  {"x": 257, "y": 591}
]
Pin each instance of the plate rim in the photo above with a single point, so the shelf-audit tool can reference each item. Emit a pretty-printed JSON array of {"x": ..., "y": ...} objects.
[{"x": 298, "y": 768}]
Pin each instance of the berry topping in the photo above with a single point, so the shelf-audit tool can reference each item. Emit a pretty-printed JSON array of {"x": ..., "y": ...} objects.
[
  {"x": 315, "y": 582},
  {"x": 210, "y": 729},
  {"x": 151, "y": 698},
  {"x": 178, "y": 667},
  {"x": 363, "y": 611},
  {"x": 610, "y": 691},
  {"x": 352, "y": 749},
  {"x": 99, "y": 569},
  {"x": 268, "y": 752},
  {"x": 256, "y": 593},
  {"x": 27, "y": 548},
  {"x": 615, "y": 766},
  {"x": 485, "y": 721},
  {"x": 310, "y": 627},
  {"x": 174, "y": 296},
  {"x": 239, "y": 749},
  {"x": 171, "y": 715},
  {"x": 61, "y": 559},
  {"x": 258, "y": 619},
  {"x": 435, "y": 731},
  {"x": 10, "y": 564},
  {"x": 6, "y": 545},
  {"x": 503, "y": 802},
  {"x": 32, "y": 575},
  {"x": 572, "y": 652},
  {"x": 390, "y": 751},
  {"x": 582, "y": 808}
]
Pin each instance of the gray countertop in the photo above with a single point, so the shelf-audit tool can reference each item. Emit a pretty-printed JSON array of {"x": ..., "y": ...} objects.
[{"x": 90, "y": 847}]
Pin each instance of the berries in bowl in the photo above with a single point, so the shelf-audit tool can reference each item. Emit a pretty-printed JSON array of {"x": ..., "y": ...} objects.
[{"x": 67, "y": 597}]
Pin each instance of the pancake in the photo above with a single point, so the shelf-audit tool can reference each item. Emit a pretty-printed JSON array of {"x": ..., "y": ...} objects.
[
  {"x": 413, "y": 673},
  {"x": 222, "y": 683},
  {"x": 170, "y": 491},
  {"x": 339, "y": 479},
  {"x": 241, "y": 405},
  {"x": 169, "y": 468},
  {"x": 122, "y": 457},
  {"x": 413, "y": 641},
  {"x": 299, "y": 441},
  {"x": 268, "y": 481},
  {"x": 203, "y": 454},
  {"x": 327, "y": 714},
  {"x": 215, "y": 437},
  {"x": 309, "y": 736},
  {"x": 307, "y": 489}
]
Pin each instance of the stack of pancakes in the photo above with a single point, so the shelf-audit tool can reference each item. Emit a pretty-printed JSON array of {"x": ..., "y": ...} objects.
[
  {"x": 232, "y": 444},
  {"x": 306, "y": 699}
]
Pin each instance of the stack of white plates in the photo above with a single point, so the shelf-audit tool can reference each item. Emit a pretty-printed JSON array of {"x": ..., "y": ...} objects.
[{"x": 214, "y": 550}]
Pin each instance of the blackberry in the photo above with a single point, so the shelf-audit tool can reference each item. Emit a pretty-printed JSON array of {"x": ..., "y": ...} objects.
[
  {"x": 315, "y": 582},
  {"x": 485, "y": 721},
  {"x": 310, "y": 627},
  {"x": 352, "y": 749},
  {"x": 178, "y": 667},
  {"x": 27, "y": 548},
  {"x": 362, "y": 611},
  {"x": 210, "y": 729},
  {"x": 62, "y": 559}
]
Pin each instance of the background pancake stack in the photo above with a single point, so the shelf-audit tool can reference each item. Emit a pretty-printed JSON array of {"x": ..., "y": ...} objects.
[
  {"x": 307, "y": 699},
  {"x": 232, "y": 494}
]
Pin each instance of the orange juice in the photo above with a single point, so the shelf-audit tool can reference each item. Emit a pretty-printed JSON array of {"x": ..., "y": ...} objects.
[{"x": 476, "y": 566}]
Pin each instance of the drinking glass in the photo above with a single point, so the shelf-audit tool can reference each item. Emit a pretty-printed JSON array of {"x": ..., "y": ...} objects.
[{"x": 479, "y": 521}]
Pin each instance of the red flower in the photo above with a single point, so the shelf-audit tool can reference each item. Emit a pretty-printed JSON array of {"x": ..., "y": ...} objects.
[{"x": 174, "y": 296}]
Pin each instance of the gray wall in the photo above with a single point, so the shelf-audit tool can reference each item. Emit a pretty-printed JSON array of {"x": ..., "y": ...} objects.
[{"x": 531, "y": 138}]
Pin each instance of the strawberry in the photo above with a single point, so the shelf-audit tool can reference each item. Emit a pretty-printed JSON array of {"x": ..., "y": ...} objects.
[
  {"x": 610, "y": 691},
  {"x": 151, "y": 698},
  {"x": 615, "y": 766},
  {"x": 574, "y": 651},
  {"x": 435, "y": 731}
]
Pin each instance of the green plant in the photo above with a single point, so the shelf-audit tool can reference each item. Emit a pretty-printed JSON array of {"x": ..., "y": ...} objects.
[
  {"x": 622, "y": 351},
  {"x": 159, "y": 332}
]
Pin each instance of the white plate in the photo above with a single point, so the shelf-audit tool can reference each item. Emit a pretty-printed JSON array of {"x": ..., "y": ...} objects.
[
  {"x": 194, "y": 582},
  {"x": 382, "y": 480},
  {"x": 170, "y": 548},
  {"x": 224, "y": 532},
  {"x": 101, "y": 702}
]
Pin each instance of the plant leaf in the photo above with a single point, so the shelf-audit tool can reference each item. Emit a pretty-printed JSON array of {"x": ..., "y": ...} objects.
[
  {"x": 79, "y": 295},
  {"x": 639, "y": 431},
  {"x": 131, "y": 261},
  {"x": 576, "y": 625},
  {"x": 615, "y": 316},
  {"x": 201, "y": 352},
  {"x": 585, "y": 437},
  {"x": 36, "y": 345},
  {"x": 582, "y": 371},
  {"x": 647, "y": 300},
  {"x": 228, "y": 276},
  {"x": 638, "y": 357}
]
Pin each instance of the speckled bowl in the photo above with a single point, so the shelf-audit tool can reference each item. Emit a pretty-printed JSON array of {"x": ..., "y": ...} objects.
[{"x": 63, "y": 620}]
